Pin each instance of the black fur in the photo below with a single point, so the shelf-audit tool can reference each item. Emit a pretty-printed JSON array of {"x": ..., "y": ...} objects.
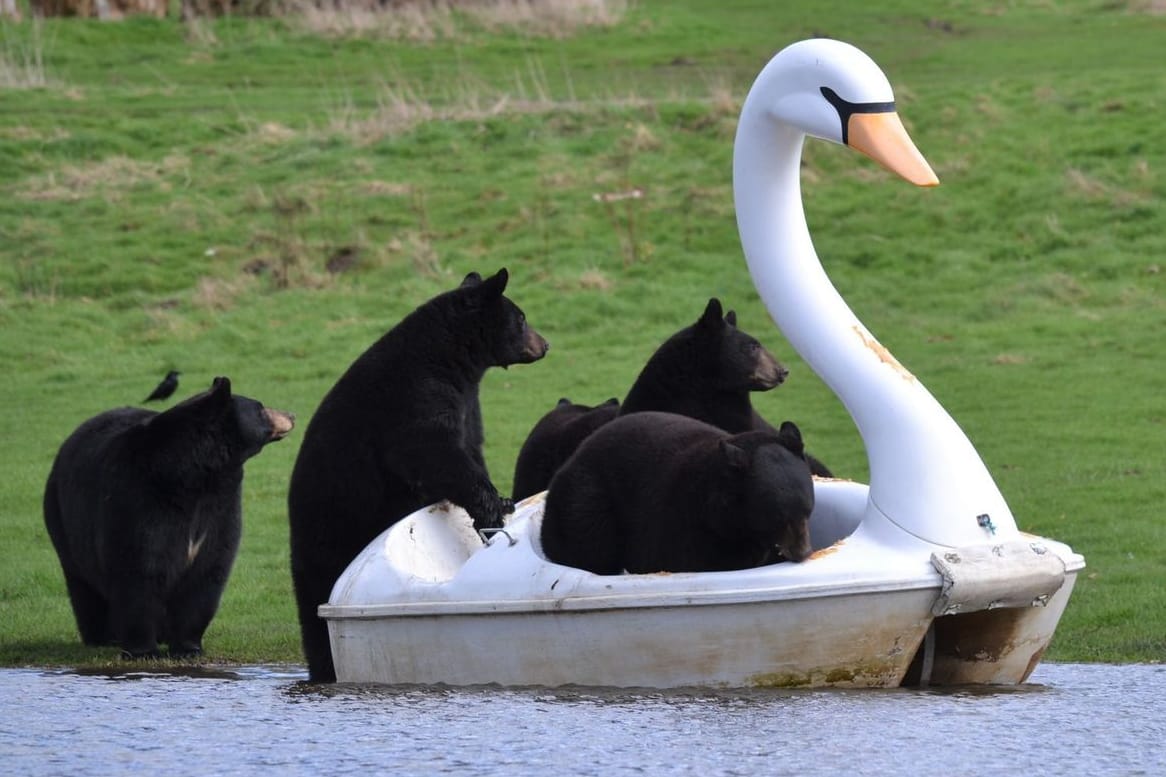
[
  {"x": 652, "y": 492},
  {"x": 400, "y": 430},
  {"x": 144, "y": 510},
  {"x": 706, "y": 371},
  {"x": 552, "y": 441}
]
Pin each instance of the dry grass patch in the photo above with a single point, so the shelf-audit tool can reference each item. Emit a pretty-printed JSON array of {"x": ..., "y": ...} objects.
[
  {"x": 199, "y": 34},
  {"x": 22, "y": 64},
  {"x": 1141, "y": 171},
  {"x": 400, "y": 108},
  {"x": 416, "y": 247},
  {"x": 544, "y": 18},
  {"x": 423, "y": 22},
  {"x": 1151, "y": 7},
  {"x": 288, "y": 260},
  {"x": 385, "y": 189},
  {"x": 107, "y": 178},
  {"x": 52, "y": 135},
  {"x": 220, "y": 294},
  {"x": 418, "y": 24},
  {"x": 1090, "y": 187},
  {"x": 641, "y": 139},
  {"x": 1060, "y": 287},
  {"x": 273, "y": 133},
  {"x": 21, "y": 74},
  {"x": 165, "y": 322},
  {"x": 590, "y": 279},
  {"x": 1009, "y": 358},
  {"x": 988, "y": 108},
  {"x": 724, "y": 108},
  {"x": 594, "y": 279}
]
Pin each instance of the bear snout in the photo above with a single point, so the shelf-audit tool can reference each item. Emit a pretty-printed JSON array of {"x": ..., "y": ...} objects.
[
  {"x": 281, "y": 422},
  {"x": 534, "y": 346},
  {"x": 768, "y": 373},
  {"x": 795, "y": 544}
]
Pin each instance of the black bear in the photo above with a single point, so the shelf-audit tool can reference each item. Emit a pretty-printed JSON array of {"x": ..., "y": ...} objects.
[
  {"x": 705, "y": 371},
  {"x": 660, "y": 492},
  {"x": 145, "y": 512},
  {"x": 400, "y": 430},
  {"x": 552, "y": 441}
]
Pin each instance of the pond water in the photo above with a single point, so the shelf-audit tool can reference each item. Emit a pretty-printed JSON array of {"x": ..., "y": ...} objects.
[{"x": 1068, "y": 719}]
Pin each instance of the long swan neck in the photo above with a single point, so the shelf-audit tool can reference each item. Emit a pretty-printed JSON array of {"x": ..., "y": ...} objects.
[
  {"x": 780, "y": 252},
  {"x": 925, "y": 475}
]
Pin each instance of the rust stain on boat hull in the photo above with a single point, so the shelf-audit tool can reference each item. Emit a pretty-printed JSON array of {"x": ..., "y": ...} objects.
[{"x": 998, "y": 646}]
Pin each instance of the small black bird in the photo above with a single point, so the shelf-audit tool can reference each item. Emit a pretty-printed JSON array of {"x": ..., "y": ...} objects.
[{"x": 166, "y": 387}]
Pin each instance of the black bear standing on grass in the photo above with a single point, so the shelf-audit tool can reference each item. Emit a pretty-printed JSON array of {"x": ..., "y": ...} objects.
[
  {"x": 400, "y": 430},
  {"x": 706, "y": 371},
  {"x": 552, "y": 441},
  {"x": 659, "y": 492},
  {"x": 145, "y": 512}
]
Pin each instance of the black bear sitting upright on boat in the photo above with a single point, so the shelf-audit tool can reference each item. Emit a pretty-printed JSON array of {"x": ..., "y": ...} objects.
[
  {"x": 706, "y": 371},
  {"x": 401, "y": 429},
  {"x": 553, "y": 439}
]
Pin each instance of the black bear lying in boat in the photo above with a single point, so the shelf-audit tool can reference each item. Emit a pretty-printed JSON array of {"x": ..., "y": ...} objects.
[{"x": 653, "y": 492}]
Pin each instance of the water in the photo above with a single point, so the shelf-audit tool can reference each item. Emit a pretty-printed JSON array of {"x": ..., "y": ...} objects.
[{"x": 1069, "y": 719}]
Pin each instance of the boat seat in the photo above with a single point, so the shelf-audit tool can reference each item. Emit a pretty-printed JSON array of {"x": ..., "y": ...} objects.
[
  {"x": 534, "y": 521},
  {"x": 838, "y": 509},
  {"x": 432, "y": 544}
]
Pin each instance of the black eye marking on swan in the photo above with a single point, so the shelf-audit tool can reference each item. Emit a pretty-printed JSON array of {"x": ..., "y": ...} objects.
[{"x": 845, "y": 108}]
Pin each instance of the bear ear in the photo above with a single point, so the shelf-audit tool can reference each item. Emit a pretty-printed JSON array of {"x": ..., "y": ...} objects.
[
  {"x": 220, "y": 391},
  {"x": 473, "y": 279},
  {"x": 791, "y": 437},
  {"x": 712, "y": 315},
  {"x": 562, "y": 401},
  {"x": 613, "y": 402},
  {"x": 731, "y": 318},
  {"x": 735, "y": 456},
  {"x": 495, "y": 284},
  {"x": 221, "y": 384}
]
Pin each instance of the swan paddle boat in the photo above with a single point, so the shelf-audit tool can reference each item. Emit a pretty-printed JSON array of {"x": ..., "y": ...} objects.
[{"x": 921, "y": 577}]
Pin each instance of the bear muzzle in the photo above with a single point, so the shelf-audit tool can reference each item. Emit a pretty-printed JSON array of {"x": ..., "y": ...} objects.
[
  {"x": 768, "y": 373},
  {"x": 795, "y": 542},
  {"x": 534, "y": 346},
  {"x": 281, "y": 423}
]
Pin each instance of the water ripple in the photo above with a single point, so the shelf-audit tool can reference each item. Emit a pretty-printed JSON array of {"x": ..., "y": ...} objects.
[{"x": 1096, "y": 719}]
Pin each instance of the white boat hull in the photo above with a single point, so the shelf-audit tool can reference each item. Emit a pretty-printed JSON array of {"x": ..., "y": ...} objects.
[
  {"x": 803, "y": 642},
  {"x": 428, "y": 603}
]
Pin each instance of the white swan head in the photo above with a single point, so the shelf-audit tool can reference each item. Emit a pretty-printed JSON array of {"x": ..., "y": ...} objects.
[
  {"x": 926, "y": 478},
  {"x": 833, "y": 91}
]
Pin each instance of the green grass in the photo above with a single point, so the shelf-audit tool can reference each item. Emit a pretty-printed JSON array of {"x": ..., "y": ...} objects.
[{"x": 170, "y": 197}]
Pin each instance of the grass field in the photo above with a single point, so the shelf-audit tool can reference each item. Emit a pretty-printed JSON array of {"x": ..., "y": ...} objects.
[{"x": 263, "y": 198}]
